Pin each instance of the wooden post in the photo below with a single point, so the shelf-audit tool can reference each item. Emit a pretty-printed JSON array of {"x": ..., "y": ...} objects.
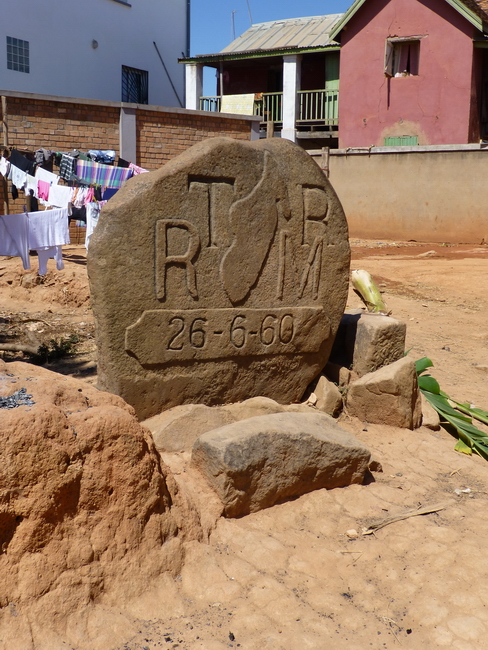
[
  {"x": 6, "y": 208},
  {"x": 325, "y": 160},
  {"x": 270, "y": 129}
]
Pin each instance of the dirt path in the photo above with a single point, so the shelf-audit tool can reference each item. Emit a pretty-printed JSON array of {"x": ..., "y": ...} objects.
[{"x": 289, "y": 578}]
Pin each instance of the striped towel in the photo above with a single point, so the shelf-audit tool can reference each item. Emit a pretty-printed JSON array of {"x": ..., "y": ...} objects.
[{"x": 99, "y": 174}]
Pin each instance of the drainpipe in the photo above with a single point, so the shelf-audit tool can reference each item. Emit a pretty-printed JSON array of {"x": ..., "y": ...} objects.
[{"x": 6, "y": 208}]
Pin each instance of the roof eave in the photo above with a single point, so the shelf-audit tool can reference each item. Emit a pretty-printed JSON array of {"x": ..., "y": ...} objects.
[
  {"x": 458, "y": 5},
  {"x": 468, "y": 14},
  {"x": 257, "y": 54},
  {"x": 345, "y": 18}
]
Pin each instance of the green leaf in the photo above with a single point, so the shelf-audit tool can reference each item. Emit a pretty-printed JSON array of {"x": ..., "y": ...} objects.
[
  {"x": 477, "y": 413},
  {"x": 426, "y": 382},
  {"x": 454, "y": 414},
  {"x": 463, "y": 448},
  {"x": 442, "y": 406},
  {"x": 422, "y": 364}
]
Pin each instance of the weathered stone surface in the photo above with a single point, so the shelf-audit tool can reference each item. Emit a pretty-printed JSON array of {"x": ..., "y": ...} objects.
[
  {"x": 255, "y": 463},
  {"x": 219, "y": 277},
  {"x": 338, "y": 374},
  {"x": 367, "y": 341},
  {"x": 329, "y": 398},
  {"x": 389, "y": 395},
  {"x": 253, "y": 407},
  {"x": 86, "y": 506},
  {"x": 179, "y": 427},
  {"x": 430, "y": 417}
]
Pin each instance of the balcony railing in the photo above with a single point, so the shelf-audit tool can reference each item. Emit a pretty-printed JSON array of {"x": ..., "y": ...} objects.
[{"x": 314, "y": 106}]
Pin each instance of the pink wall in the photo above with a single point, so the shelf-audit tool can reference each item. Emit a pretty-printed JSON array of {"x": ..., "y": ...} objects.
[{"x": 436, "y": 104}]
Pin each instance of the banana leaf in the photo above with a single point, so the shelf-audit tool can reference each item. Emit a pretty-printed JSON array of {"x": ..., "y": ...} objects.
[{"x": 454, "y": 416}]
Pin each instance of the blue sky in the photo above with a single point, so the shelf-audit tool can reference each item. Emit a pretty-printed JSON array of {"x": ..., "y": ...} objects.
[
  {"x": 212, "y": 27},
  {"x": 211, "y": 20}
]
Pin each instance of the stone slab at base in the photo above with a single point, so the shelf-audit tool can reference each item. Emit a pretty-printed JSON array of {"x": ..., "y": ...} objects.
[{"x": 255, "y": 463}]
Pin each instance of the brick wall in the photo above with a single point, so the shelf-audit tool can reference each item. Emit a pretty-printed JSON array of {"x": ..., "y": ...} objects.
[
  {"x": 59, "y": 124},
  {"x": 162, "y": 135}
]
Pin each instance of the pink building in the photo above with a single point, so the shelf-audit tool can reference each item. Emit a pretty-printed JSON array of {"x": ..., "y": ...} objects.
[{"x": 413, "y": 72}]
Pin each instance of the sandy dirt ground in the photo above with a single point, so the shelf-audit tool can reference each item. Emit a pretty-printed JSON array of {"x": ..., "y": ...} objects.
[{"x": 290, "y": 578}]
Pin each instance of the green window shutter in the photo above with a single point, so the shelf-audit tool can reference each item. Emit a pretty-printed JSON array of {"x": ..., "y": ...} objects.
[{"x": 402, "y": 141}]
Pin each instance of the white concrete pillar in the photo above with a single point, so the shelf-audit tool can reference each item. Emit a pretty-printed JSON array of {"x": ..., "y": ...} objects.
[
  {"x": 193, "y": 85},
  {"x": 128, "y": 134},
  {"x": 291, "y": 86}
]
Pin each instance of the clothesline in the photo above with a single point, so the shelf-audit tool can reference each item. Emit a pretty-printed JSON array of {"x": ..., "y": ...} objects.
[
  {"x": 88, "y": 179},
  {"x": 91, "y": 184}
]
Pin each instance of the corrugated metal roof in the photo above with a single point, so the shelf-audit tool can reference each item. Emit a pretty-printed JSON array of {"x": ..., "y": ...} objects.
[{"x": 291, "y": 33}]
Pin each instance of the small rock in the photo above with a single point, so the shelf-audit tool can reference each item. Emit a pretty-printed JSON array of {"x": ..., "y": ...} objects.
[
  {"x": 430, "y": 417},
  {"x": 328, "y": 397},
  {"x": 352, "y": 533},
  {"x": 177, "y": 429},
  {"x": 375, "y": 466},
  {"x": 480, "y": 366},
  {"x": 389, "y": 395},
  {"x": 30, "y": 280},
  {"x": 312, "y": 400}
]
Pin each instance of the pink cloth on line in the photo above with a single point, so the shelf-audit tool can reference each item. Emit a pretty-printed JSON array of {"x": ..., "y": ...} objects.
[
  {"x": 137, "y": 170},
  {"x": 43, "y": 190}
]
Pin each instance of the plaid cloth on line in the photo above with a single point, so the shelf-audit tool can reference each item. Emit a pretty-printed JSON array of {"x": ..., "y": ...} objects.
[{"x": 104, "y": 175}]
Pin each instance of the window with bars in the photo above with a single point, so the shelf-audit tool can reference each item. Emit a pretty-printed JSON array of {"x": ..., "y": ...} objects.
[
  {"x": 134, "y": 85},
  {"x": 17, "y": 54}
]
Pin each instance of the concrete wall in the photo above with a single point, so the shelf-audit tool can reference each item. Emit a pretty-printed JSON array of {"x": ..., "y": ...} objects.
[
  {"x": 62, "y": 58},
  {"x": 432, "y": 194},
  {"x": 434, "y": 105}
]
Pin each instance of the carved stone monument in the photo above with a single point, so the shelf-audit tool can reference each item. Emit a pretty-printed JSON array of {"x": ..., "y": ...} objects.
[{"x": 221, "y": 276}]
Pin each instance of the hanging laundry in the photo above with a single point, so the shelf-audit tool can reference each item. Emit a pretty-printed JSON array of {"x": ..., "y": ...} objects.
[
  {"x": 43, "y": 190},
  {"x": 14, "y": 237},
  {"x": 4, "y": 166},
  {"x": 31, "y": 185},
  {"x": 98, "y": 174},
  {"x": 20, "y": 161},
  {"x": 108, "y": 192},
  {"x": 48, "y": 177},
  {"x": 48, "y": 228},
  {"x": 67, "y": 167},
  {"x": 42, "y": 156},
  {"x": 44, "y": 254},
  {"x": 92, "y": 215},
  {"x": 17, "y": 176},
  {"x": 78, "y": 215},
  {"x": 82, "y": 196},
  {"x": 60, "y": 196},
  {"x": 106, "y": 157},
  {"x": 137, "y": 170}
]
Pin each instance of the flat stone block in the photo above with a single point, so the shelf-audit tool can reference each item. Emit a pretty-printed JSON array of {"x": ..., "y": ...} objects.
[
  {"x": 389, "y": 395},
  {"x": 367, "y": 341},
  {"x": 263, "y": 460}
]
